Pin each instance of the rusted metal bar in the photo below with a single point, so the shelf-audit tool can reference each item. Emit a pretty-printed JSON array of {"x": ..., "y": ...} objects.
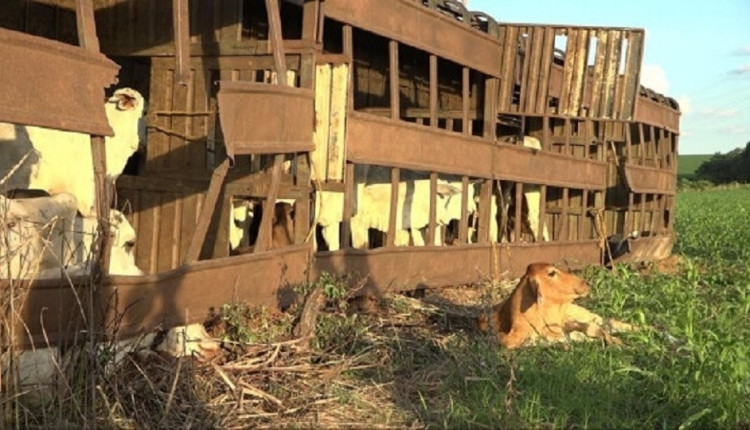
[
  {"x": 395, "y": 178},
  {"x": 463, "y": 227},
  {"x": 433, "y": 91},
  {"x": 432, "y": 226},
  {"x": 207, "y": 210},
  {"x": 181, "y": 27},
  {"x": 394, "y": 79}
]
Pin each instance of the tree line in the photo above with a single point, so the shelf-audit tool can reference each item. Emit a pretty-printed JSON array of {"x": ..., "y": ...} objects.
[{"x": 734, "y": 166}]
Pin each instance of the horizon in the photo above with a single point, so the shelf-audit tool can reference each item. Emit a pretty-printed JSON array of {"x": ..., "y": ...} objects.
[{"x": 708, "y": 73}]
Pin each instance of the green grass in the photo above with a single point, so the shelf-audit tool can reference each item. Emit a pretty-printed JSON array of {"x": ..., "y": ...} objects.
[
  {"x": 688, "y": 164},
  {"x": 691, "y": 371}
]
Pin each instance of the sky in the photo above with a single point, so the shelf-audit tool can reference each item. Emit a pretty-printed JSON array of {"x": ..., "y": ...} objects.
[{"x": 697, "y": 52}]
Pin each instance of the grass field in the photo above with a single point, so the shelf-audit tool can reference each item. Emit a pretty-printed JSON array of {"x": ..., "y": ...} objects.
[
  {"x": 419, "y": 363},
  {"x": 688, "y": 164}
]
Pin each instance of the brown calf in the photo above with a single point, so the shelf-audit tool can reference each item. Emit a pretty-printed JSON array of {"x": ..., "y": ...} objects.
[{"x": 541, "y": 307}]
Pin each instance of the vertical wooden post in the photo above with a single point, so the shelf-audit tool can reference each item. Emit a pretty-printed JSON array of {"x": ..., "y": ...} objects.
[
  {"x": 519, "y": 214},
  {"x": 564, "y": 215},
  {"x": 463, "y": 228},
  {"x": 86, "y": 25},
  {"x": 485, "y": 213},
  {"x": 432, "y": 226},
  {"x": 394, "y": 78},
  {"x": 582, "y": 218},
  {"x": 348, "y": 48},
  {"x": 395, "y": 177},
  {"x": 466, "y": 101},
  {"x": 349, "y": 190},
  {"x": 181, "y": 27},
  {"x": 433, "y": 91},
  {"x": 542, "y": 209}
]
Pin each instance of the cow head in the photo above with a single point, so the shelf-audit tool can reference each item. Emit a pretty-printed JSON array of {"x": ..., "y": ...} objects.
[{"x": 546, "y": 284}]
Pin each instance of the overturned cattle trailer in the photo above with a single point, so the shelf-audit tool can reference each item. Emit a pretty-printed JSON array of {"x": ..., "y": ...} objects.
[{"x": 502, "y": 144}]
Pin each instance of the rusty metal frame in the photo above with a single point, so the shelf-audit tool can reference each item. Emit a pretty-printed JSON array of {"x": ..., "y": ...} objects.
[{"x": 50, "y": 84}]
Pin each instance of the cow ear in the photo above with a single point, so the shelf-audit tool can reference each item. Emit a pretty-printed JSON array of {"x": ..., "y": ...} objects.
[
  {"x": 125, "y": 101},
  {"x": 534, "y": 287},
  {"x": 447, "y": 190}
]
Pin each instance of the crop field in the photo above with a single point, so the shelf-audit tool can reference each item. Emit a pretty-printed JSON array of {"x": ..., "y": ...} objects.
[{"x": 409, "y": 362}]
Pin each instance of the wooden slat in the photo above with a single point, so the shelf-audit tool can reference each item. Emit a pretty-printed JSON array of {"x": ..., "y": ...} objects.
[
  {"x": 433, "y": 91},
  {"x": 395, "y": 178},
  {"x": 432, "y": 224},
  {"x": 632, "y": 71},
  {"x": 485, "y": 212},
  {"x": 463, "y": 227},
  {"x": 545, "y": 70},
  {"x": 518, "y": 215},
  {"x": 579, "y": 72},
  {"x": 510, "y": 53},
  {"x": 564, "y": 215},
  {"x": 263, "y": 242},
  {"x": 489, "y": 106},
  {"x": 582, "y": 216},
  {"x": 542, "y": 209},
  {"x": 181, "y": 28},
  {"x": 349, "y": 196},
  {"x": 530, "y": 94},
  {"x": 394, "y": 79},
  {"x": 209, "y": 206},
  {"x": 567, "y": 79},
  {"x": 87, "y": 38},
  {"x": 610, "y": 73}
]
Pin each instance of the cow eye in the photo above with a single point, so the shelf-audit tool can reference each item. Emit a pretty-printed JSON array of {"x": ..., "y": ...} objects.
[{"x": 552, "y": 273}]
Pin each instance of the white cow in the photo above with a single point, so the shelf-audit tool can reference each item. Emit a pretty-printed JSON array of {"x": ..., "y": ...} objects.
[
  {"x": 61, "y": 161},
  {"x": 44, "y": 236},
  {"x": 413, "y": 208}
]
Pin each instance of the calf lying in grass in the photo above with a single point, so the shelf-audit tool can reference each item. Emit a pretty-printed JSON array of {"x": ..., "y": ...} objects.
[{"x": 541, "y": 307}]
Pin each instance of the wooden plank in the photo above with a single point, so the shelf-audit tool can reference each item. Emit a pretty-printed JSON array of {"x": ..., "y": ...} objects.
[
  {"x": 597, "y": 86},
  {"x": 632, "y": 73},
  {"x": 564, "y": 215},
  {"x": 337, "y": 134},
  {"x": 302, "y": 205},
  {"x": 181, "y": 28},
  {"x": 510, "y": 53},
  {"x": 568, "y": 70},
  {"x": 349, "y": 197},
  {"x": 531, "y": 94},
  {"x": 188, "y": 219},
  {"x": 322, "y": 114},
  {"x": 610, "y": 73},
  {"x": 582, "y": 216},
  {"x": 348, "y": 49},
  {"x": 395, "y": 178},
  {"x": 485, "y": 212},
  {"x": 545, "y": 70},
  {"x": 579, "y": 72},
  {"x": 518, "y": 222},
  {"x": 432, "y": 224},
  {"x": 276, "y": 39},
  {"x": 394, "y": 79},
  {"x": 166, "y": 239},
  {"x": 263, "y": 242},
  {"x": 87, "y": 38},
  {"x": 209, "y": 206},
  {"x": 463, "y": 226},
  {"x": 543, "y": 209},
  {"x": 433, "y": 90},
  {"x": 523, "y": 69},
  {"x": 415, "y": 25}
]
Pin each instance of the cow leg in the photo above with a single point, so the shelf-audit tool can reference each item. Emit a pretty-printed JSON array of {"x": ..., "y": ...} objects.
[
  {"x": 360, "y": 237},
  {"x": 417, "y": 237},
  {"x": 332, "y": 237}
]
